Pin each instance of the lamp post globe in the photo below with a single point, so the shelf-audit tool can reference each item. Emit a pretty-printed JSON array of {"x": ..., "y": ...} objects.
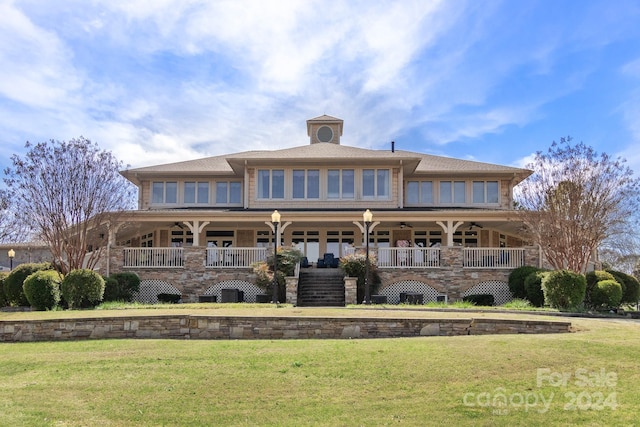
[{"x": 11, "y": 253}]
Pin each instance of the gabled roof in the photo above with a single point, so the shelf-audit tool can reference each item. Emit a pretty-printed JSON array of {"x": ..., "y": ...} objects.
[{"x": 325, "y": 119}]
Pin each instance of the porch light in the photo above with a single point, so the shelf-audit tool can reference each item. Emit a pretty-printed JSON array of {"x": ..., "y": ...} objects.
[
  {"x": 275, "y": 220},
  {"x": 367, "y": 217},
  {"x": 11, "y": 253}
]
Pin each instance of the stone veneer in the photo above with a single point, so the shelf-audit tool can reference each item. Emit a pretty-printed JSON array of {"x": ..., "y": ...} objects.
[
  {"x": 232, "y": 327},
  {"x": 452, "y": 279},
  {"x": 194, "y": 278}
]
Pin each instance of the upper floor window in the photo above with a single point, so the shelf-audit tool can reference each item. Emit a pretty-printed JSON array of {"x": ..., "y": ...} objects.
[
  {"x": 453, "y": 192},
  {"x": 340, "y": 184},
  {"x": 271, "y": 184},
  {"x": 485, "y": 191},
  {"x": 375, "y": 183},
  {"x": 228, "y": 192},
  {"x": 306, "y": 184},
  {"x": 164, "y": 192},
  {"x": 196, "y": 192},
  {"x": 420, "y": 192}
]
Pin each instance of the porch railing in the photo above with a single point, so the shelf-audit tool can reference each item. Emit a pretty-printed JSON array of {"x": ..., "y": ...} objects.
[
  {"x": 408, "y": 257},
  {"x": 234, "y": 257},
  {"x": 493, "y": 257},
  {"x": 153, "y": 257}
]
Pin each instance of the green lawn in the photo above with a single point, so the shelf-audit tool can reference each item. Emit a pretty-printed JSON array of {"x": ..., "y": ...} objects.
[{"x": 589, "y": 377}]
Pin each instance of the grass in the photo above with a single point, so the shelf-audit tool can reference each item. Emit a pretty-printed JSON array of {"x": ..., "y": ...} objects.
[{"x": 413, "y": 382}]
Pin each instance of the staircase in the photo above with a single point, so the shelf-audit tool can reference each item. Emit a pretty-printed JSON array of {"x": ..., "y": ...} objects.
[{"x": 321, "y": 287}]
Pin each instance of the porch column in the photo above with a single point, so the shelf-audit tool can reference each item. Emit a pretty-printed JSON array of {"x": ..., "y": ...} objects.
[
  {"x": 196, "y": 228},
  {"x": 449, "y": 229},
  {"x": 360, "y": 225},
  {"x": 280, "y": 228},
  {"x": 111, "y": 239}
]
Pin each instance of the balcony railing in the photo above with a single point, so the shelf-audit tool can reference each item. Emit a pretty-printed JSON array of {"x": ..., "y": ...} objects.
[
  {"x": 387, "y": 258},
  {"x": 153, "y": 257},
  {"x": 234, "y": 257},
  {"x": 408, "y": 257},
  {"x": 493, "y": 257}
]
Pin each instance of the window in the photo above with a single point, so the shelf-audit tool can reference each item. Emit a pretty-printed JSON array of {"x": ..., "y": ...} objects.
[
  {"x": 375, "y": 183},
  {"x": 485, "y": 191},
  {"x": 340, "y": 183},
  {"x": 270, "y": 184},
  {"x": 196, "y": 192},
  {"x": 228, "y": 193},
  {"x": 419, "y": 192},
  {"x": 306, "y": 184},
  {"x": 164, "y": 192},
  {"x": 453, "y": 192}
]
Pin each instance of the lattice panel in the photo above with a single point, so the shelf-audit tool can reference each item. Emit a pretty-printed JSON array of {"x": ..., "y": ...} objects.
[
  {"x": 393, "y": 291},
  {"x": 499, "y": 290},
  {"x": 250, "y": 290},
  {"x": 149, "y": 290}
]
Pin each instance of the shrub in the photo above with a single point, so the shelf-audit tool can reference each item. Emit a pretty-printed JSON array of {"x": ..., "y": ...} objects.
[
  {"x": 606, "y": 294},
  {"x": 288, "y": 258},
  {"x": 517, "y": 278},
  {"x": 354, "y": 265},
  {"x": 480, "y": 299},
  {"x": 42, "y": 289},
  {"x": 121, "y": 287},
  {"x": 82, "y": 288},
  {"x": 13, "y": 290},
  {"x": 563, "y": 289},
  {"x": 3, "y": 298},
  {"x": 169, "y": 298},
  {"x": 630, "y": 286},
  {"x": 533, "y": 287},
  {"x": 593, "y": 277}
]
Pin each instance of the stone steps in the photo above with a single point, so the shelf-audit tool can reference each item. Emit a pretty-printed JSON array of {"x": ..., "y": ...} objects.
[{"x": 321, "y": 288}]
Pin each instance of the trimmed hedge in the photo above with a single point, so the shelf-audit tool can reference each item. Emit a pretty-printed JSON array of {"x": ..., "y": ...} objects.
[
  {"x": 630, "y": 286},
  {"x": 480, "y": 299},
  {"x": 593, "y": 277},
  {"x": 13, "y": 290},
  {"x": 517, "y": 278},
  {"x": 563, "y": 289},
  {"x": 121, "y": 287},
  {"x": 42, "y": 289},
  {"x": 82, "y": 288},
  {"x": 606, "y": 294},
  {"x": 533, "y": 287},
  {"x": 3, "y": 298}
]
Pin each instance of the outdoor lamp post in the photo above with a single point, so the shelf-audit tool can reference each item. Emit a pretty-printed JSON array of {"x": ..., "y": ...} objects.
[
  {"x": 367, "y": 216},
  {"x": 275, "y": 220},
  {"x": 11, "y": 254}
]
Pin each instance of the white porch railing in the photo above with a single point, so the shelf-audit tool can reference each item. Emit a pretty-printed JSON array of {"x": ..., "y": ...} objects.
[
  {"x": 153, "y": 257},
  {"x": 493, "y": 257},
  {"x": 402, "y": 257},
  {"x": 408, "y": 257},
  {"x": 234, "y": 257}
]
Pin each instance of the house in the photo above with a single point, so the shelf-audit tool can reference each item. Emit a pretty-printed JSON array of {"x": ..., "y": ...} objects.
[{"x": 442, "y": 227}]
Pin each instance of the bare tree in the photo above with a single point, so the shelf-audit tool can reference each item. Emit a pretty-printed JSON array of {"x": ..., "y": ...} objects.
[
  {"x": 575, "y": 200},
  {"x": 67, "y": 192}
]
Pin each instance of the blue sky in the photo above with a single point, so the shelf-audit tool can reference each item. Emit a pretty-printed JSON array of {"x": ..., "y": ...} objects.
[{"x": 163, "y": 81}]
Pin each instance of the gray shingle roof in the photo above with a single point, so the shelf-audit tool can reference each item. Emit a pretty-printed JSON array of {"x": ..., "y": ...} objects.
[{"x": 321, "y": 152}]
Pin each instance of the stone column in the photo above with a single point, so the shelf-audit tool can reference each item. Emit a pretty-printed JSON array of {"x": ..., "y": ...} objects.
[
  {"x": 292, "y": 289},
  {"x": 351, "y": 290}
]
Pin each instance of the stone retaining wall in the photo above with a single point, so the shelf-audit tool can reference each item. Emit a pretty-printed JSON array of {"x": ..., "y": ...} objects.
[{"x": 231, "y": 327}]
